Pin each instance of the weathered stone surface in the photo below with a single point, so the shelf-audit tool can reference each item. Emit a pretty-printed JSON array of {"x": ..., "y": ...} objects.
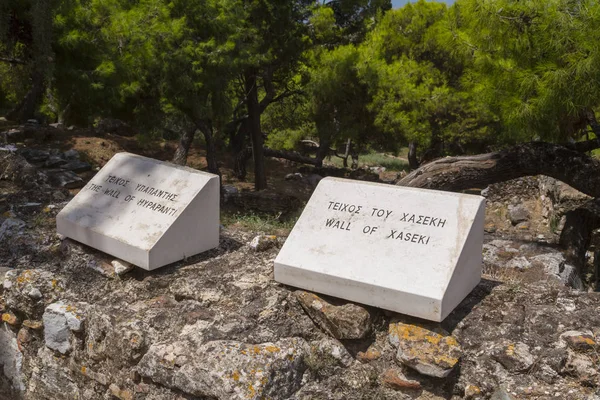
[
  {"x": 582, "y": 341},
  {"x": 501, "y": 254},
  {"x": 10, "y": 318},
  {"x": 518, "y": 214},
  {"x": 36, "y": 325},
  {"x": 34, "y": 155},
  {"x": 229, "y": 295},
  {"x": 332, "y": 349},
  {"x": 53, "y": 380},
  {"x": 342, "y": 321},
  {"x": 11, "y": 360},
  {"x": 515, "y": 357},
  {"x": 228, "y": 369},
  {"x": 502, "y": 394},
  {"x": 10, "y": 227},
  {"x": 263, "y": 242},
  {"x": 64, "y": 179},
  {"x": 76, "y": 166},
  {"x": 121, "y": 267},
  {"x": 583, "y": 367},
  {"x": 396, "y": 380},
  {"x": 369, "y": 355},
  {"x": 16, "y": 169},
  {"x": 59, "y": 321},
  {"x": 472, "y": 391},
  {"x": 556, "y": 264},
  {"x": 518, "y": 263},
  {"x": 19, "y": 285},
  {"x": 430, "y": 352}
]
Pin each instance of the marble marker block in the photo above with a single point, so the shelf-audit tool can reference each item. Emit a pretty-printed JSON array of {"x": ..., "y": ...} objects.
[
  {"x": 144, "y": 211},
  {"x": 414, "y": 251}
]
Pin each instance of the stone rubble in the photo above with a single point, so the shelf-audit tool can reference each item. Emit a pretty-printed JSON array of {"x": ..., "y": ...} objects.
[
  {"x": 59, "y": 321},
  {"x": 430, "y": 352},
  {"x": 342, "y": 321},
  {"x": 218, "y": 326}
]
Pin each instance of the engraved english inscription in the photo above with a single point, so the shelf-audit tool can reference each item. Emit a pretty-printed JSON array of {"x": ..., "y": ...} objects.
[{"x": 381, "y": 222}]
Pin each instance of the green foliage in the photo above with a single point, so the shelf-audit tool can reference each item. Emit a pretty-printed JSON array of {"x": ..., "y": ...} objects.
[
  {"x": 458, "y": 79},
  {"x": 375, "y": 159},
  {"x": 535, "y": 63},
  {"x": 255, "y": 222}
]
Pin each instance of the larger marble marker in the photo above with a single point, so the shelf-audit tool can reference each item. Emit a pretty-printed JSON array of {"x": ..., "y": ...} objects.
[
  {"x": 148, "y": 212},
  {"x": 414, "y": 251}
]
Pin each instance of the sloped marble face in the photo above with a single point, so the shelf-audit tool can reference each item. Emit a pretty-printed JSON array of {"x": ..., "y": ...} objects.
[
  {"x": 132, "y": 204},
  {"x": 392, "y": 247}
]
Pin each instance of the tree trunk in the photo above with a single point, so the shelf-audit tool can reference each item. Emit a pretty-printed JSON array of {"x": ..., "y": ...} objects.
[
  {"x": 537, "y": 158},
  {"x": 575, "y": 236},
  {"x": 211, "y": 151},
  {"x": 435, "y": 146},
  {"x": 347, "y": 152},
  {"x": 42, "y": 26},
  {"x": 27, "y": 107},
  {"x": 183, "y": 149},
  {"x": 239, "y": 150},
  {"x": 413, "y": 162},
  {"x": 354, "y": 155},
  {"x": 290, "y": 155},
  {"x": 260, "y": 177},
  {"x": 240, "y": 162},
  {"x": 322, "y": 152}
]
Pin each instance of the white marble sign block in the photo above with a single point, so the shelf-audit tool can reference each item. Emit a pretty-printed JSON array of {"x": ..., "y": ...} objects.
[
  {"x": 413, "y": 251},
  {"x": 144, "y": 211}
]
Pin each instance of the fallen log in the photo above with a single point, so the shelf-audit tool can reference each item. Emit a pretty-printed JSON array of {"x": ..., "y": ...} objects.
[{"x": 566, "y": 164}]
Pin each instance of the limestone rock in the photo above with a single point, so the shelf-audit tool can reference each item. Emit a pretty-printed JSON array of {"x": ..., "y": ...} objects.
[
  {"x": 518, "y": 263},
  {"x": 395, "y": 379},
  {"x": 472, "y": 391},
  {"x": 430, "y": 352},
  {"x": 581, "y": 341},
  {"x": 10, "y": 318},
  {"x": 343, "y": 321},
  {"x": 582, "y": 366},
  {"x": 15, "y": 168},
  {"x": 77, "y": 166},
  {"x": 64, "y": 179},
  {"x": 518, "y": 214},
  {"x": 515, "y": 357},
  {"x": 35, "y": 325},
  {"x": 71, "y": 154},
  {"x": 556, "y": 264},
  {"x": 34, "y": 155},
  {"x": 263, "y": 242},
  {"x": 21, "y": 289},
  {"x": 11, "y": 227},
  {"x": 371, "y": 354},
  {"x": 332, "y": 349},
  {"x": 59, "y": 320},
  {"x": 121, "y": 267},
  {"x": 54, "y": 162},
  {"x": 51, "y": 379},
  {"x": 227, "y": 369},
  {"x": 294, "y": 176},
  {"x": 11, "y": 359}
]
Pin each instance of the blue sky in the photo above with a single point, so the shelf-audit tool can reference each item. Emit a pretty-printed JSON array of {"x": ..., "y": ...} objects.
[{"x": 399, "y": 3}]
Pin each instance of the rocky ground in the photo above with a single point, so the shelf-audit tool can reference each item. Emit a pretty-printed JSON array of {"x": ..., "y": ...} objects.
[{"x": 77, "y": 324}]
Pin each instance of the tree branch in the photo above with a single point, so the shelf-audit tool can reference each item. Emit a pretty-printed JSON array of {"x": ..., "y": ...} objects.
[
  {"x": 12, "y": 61},
  {"x": 536, "y": 158}
]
